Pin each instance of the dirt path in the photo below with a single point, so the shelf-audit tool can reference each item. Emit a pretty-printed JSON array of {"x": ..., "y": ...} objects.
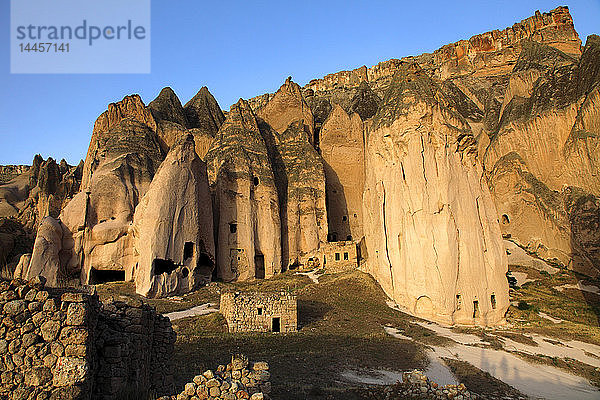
[
  {"x": 202, "y": 309},
  {"x": 313, "y": 275}
]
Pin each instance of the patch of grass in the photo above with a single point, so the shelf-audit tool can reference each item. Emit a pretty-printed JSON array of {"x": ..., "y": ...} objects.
[
  {"x": 341, "y": 322},
  {"x": 579, "y": 310},
  {"x": 518, "y": 337}
]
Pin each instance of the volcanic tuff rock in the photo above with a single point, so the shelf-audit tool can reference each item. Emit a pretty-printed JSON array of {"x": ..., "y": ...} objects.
[
  {"x": 287, "y": 106},
  {"x": 14, "y": 241},
  {"x": 53, "y": 256},
  {"x": 301, "y": 186},
  {"x": 203, "y": 112},
  {"x": 41, "y": 190},
  {"x": 246, "y": 204},
  {"x": 173, "y": 226},
  {"x": 131, "y": 108},
  {"x": 122, "y": 161},
  {"x": 343, "y": 150},
  {"x": 201, "y": 117},
  {"x": 434, "y": 245},
  {"x": 547, "y": 140}
]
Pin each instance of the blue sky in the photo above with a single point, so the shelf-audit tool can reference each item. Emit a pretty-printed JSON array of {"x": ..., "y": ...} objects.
[{"x": 242, "y": 49}]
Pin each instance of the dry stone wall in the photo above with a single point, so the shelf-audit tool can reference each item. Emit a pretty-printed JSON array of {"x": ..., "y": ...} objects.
[
  {"x": 260, "y": 312},
  {"x": 57, "y": 344},
  {"x": 237, "y": 380}
]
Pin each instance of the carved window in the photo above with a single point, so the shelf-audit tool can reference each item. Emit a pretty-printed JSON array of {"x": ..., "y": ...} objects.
[
  {"x": 475, "y": 309},
  {"x": 493, "y": 300},
  {"x": 345, "y": 255},
  {"x": 337, "y": 256},
  {"x": 458, "y": 302},
  {"x": 232, "y": 227},
  {"x": 259, "y": 311}
]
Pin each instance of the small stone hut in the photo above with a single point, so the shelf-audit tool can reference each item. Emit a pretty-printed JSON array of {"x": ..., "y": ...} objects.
[{"x": 260, "y": 311}]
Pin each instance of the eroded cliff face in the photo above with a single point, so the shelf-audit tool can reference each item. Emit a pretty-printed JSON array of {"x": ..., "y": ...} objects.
[
  {"x": 121, "y": 164},
  {"x": 431, "y": 227},
  {"x": 302, "y": 190},
  {"x": 287, "y": 106},
  {"x": 343, "y": 150},
  {"x": 173, "y": 226},
  {"x": 286, "y": 124},
  {"x": 246, "y": 204},
  {"x": 545, "y": 146}
]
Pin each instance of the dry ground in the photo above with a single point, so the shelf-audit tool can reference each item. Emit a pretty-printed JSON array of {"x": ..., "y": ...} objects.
[{"x": 341, "y": 320}]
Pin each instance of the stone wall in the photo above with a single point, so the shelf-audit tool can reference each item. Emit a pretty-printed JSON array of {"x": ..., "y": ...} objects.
[
  {"x": 338, "y": 256},
  {"x": 260, "y": 311},
  {"x": 57, "y": 344},
  {"x": 134, "y": 346},
  {"x": 237, "y": 380}
]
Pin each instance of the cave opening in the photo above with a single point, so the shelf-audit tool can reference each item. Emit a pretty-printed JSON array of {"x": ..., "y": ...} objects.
[
  {"x": 188, "y": 250},
  {"x": 98, "y": 276},
  {"x": 160, "y": 266},
  {"x": 475, "y": 309},
  {"x": 259, "y": 265}
]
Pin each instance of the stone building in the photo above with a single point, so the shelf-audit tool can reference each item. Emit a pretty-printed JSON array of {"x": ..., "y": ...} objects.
[
  {"x": 260, "y": 311},
  {"x": 334, "y": 257}
]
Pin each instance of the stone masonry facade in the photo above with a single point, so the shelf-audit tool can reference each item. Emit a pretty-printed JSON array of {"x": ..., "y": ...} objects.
[
  {"x": 58, "y": 344},
  {"x": 333, "y": 257},
  {"x": 260, "y": 311}
]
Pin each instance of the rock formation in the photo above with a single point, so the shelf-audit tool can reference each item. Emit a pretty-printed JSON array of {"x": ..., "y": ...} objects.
[
  {"x": 173, "y": 226},
  {"x": 287, "y": 106},
  {"x": 434, "y": 244},
  {"x": 248, "y": 228},
  {"x": 423, "y": 163},
  {"x": 39, "y": 191},
  {"x": 123, "y": 157},
  {"x": 343, "y": 149},
  {"x": 201, "y": 118},
  {"x": 301, "y": 186},
  {"x": 52, "y": 257}
]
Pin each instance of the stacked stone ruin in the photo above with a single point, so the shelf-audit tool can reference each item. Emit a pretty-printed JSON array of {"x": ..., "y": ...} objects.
[
  {"x": 238, "y": 380},
  {"x": 260, "y": 311},
  {"x": 57, "y": 344},
  {"x": 417, "y": 385}
]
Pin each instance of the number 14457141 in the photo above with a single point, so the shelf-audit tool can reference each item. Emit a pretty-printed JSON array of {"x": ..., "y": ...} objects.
[{"x": 44, "y": 47}]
